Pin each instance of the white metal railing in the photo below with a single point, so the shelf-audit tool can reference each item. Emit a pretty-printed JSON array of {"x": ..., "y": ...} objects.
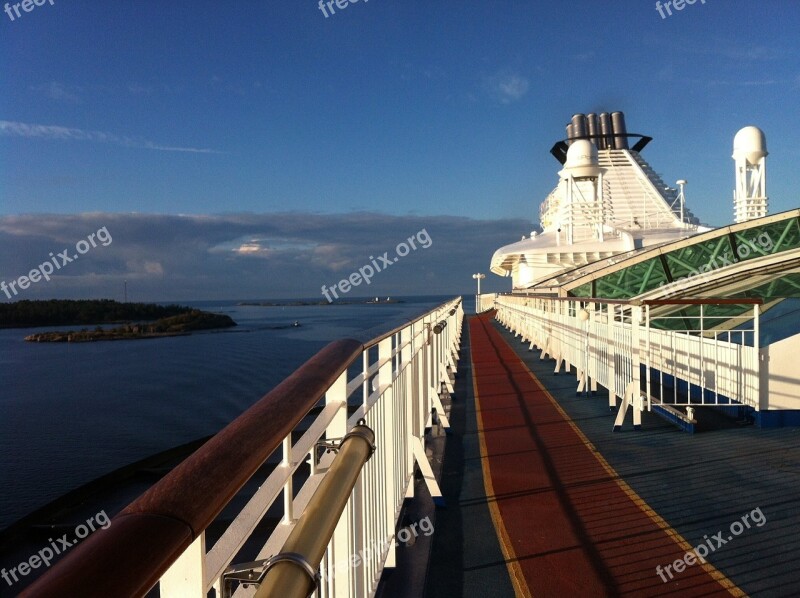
[
  {"x": 484, "y": 302},
  {"x": 608, "y": 342},
  {"x": 394, "y": 387},
  {"x": 718, "y": 357}
]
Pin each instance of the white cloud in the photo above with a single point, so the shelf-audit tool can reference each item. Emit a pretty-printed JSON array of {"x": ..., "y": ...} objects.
[
  {"x": 743, "y": 83},
  {"x": 56, "y": 132},
  {"x": 507, "y": 87},
  {"x": 137, "y": 89},
  {"x": 60, "y": 92}
]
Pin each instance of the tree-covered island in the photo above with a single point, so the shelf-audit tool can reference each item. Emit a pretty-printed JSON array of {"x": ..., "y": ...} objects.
[{"x": 137, "y": 320}]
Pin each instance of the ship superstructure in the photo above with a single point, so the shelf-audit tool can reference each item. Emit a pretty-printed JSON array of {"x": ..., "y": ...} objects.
[{"x": 608, "y": 201}]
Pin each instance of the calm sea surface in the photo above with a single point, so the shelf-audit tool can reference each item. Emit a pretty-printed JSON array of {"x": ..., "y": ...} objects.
[{"x": 71, "y": 413}]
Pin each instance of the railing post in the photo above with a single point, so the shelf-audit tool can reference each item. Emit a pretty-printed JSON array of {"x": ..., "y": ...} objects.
[
  {"x": 185, "y": 576},
  {"x": 612, "y": 356},
  {"x": 388, "y": 435},
  {"x": 411, "y": 390},
  {"x": 636, "y": 397},
  {"x": 337, "y": 394},
  {"x": 339, "y": 547},
  {"x": 648, "y": 364},
  {"x": 288, "y": 488},
  {"x": 761, "y": 398}
]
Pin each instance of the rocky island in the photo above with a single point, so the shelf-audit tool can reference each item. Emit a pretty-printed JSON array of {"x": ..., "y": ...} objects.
[
  {"x": 134, "y": 320},
  {"x": 171, "y": 326}
]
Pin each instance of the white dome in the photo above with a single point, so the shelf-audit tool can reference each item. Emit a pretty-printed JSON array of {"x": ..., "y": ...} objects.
[
  {"x": 582, "y": 152},
  {"x": 750, "y": 143},
  {"x": 581, "y": 159}
]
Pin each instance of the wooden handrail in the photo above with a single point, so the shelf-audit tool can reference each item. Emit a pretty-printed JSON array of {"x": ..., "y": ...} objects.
[{"x": 130, "y": 556}]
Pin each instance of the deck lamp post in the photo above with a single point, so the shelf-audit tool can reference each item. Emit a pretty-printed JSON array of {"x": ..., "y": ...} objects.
[
  {"x": 478, "y": 277},
  {"x": 682, "y": 197}
]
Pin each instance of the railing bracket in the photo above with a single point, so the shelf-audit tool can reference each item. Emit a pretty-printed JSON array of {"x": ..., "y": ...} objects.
[
  {"x": 332, "y": 445},
  {"x": 245, "y": 573}
]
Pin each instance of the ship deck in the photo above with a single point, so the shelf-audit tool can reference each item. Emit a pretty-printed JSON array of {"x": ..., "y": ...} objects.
[{"x": 544, "y": 499}]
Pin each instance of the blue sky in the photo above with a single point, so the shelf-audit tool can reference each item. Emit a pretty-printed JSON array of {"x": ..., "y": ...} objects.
[{"x": 388, "y": 112}]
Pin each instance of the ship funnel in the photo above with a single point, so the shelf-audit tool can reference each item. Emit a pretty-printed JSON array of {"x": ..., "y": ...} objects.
[
  {"x": 606, "y": 141},
  {"x": 606, "y": 131},
  {"x": 593, "y": 128},
  {"x": 579, "y": 125},
  {"x": 620, "y": 131},
  {"x": 750, "y": 155}
]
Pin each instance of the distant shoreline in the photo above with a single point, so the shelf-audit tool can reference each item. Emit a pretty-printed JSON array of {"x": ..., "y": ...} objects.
[{"x": 311, "y": 303}]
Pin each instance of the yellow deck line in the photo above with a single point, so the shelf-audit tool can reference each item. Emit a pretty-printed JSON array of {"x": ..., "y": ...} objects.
[
  {"x": 514, "y": 570},
  {"x": 638, "y": 500}
]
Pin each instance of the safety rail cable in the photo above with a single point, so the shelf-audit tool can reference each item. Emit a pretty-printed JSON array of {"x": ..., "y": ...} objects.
[{"x": 160, "y": 537}]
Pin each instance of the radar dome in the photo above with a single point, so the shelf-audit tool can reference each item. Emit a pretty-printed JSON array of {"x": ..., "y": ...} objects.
[
  {"x": 581, "y": 159},
  {"x": 750, "y": 143}
]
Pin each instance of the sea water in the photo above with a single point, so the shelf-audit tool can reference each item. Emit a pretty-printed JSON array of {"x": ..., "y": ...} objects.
[{"x": 70, "y": 413}]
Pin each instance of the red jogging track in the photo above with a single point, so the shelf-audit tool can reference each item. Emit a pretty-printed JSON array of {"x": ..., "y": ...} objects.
[{"x": 567, "y": 524}]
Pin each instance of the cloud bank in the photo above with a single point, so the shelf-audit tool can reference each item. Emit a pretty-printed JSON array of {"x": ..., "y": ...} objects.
[{"x": 249, "y": 256}]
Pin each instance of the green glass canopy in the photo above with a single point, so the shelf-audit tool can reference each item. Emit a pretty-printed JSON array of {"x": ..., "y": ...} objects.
[{"x": 709, "y": 252}]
